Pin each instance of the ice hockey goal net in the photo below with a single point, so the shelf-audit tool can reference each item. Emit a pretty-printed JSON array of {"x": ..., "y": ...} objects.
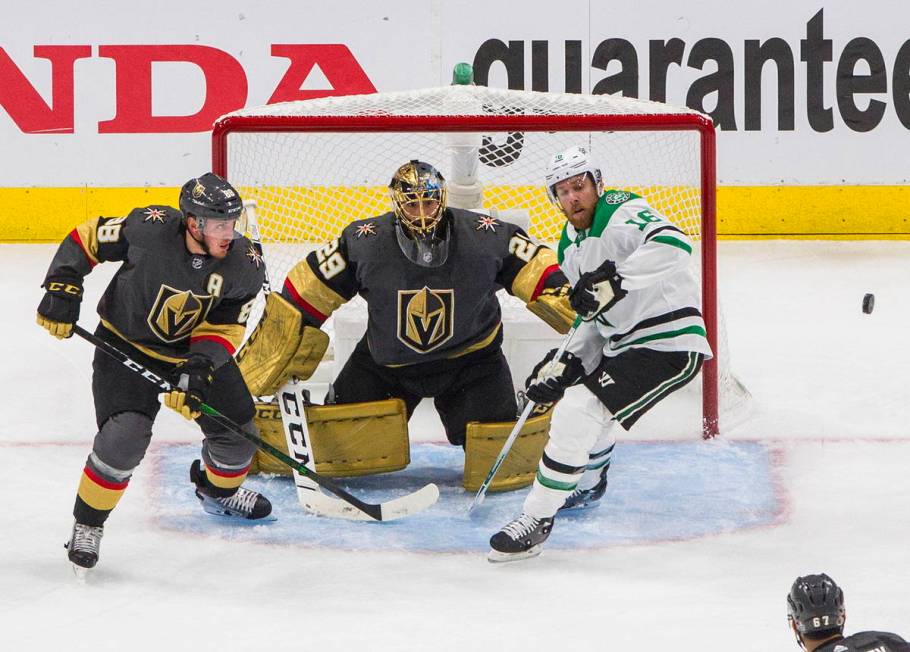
[{"x": 312, "y": 167}]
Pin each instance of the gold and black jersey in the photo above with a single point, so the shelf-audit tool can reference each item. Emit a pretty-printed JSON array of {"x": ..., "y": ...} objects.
[
  {"x": 417, "y": 314},
  {"x": 165, "y": 300}
]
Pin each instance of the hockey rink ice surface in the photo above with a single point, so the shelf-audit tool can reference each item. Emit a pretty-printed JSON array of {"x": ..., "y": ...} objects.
[{"x": 695, "y": 546}]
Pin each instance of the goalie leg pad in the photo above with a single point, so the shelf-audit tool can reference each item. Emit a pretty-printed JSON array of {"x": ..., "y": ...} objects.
[
  {"x": 277, "y": 348},
  {"x": 483, "y": 443},
  {"x": 347, "y": 440}
]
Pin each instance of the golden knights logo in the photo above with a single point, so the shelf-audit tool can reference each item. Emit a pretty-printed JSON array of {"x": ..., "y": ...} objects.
[
  {"x": 425, "y": 318},
  {"x": 176, "y": 313}
]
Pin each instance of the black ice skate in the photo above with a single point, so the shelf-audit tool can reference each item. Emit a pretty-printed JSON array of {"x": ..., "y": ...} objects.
[
  {"x": 584, "y": 498},
  {"x": 84, "y": 547},
  {"x": 243, "y": 503},
  {"x": 520, "y": 539}
]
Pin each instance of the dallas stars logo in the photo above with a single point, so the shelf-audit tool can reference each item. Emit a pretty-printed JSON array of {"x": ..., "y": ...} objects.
[
  {"x": 253, "y": 254},
  {"x": 487, "y": 224},
  {"x": 366, "y": 229},
  {"x": 154, "y": 215}
]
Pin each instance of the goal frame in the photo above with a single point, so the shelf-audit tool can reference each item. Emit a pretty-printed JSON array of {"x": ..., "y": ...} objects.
[{"x": 520, "y": 123}]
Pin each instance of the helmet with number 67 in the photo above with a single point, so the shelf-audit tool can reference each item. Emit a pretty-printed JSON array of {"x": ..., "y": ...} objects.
[
  {"x": 568, "y": 164},
  {"x": 815, "y": 604}
]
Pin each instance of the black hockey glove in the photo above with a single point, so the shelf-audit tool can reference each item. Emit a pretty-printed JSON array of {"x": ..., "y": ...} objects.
[
  {"x": 58, "y": 311},
  {"x": 193, "y": 377},
  {"x": 549, "y": 380},
  {"x": 597, "y": 291}
]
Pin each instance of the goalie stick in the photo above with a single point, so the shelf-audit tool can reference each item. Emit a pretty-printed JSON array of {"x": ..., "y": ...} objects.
[
  {"x": 506, "y": 447},
  {"x": 390, "y": 510}
]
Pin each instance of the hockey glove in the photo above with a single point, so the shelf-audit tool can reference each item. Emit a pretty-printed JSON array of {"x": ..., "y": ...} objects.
[
  {"x": 193, "y": 378},
  {"x": 597, "y": 291},
  {"x": 58, "y": 311},
  {"x": 549, "y": 379}
]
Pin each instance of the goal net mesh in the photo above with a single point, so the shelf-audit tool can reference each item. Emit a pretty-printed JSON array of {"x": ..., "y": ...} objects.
[{"x": 310, "y": 168}]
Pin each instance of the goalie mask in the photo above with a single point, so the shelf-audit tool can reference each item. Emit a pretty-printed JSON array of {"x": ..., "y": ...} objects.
[
  {"x": 418, "y": 192},
  {"x": 216, "y": 206},
  {"x": 570, "y": 163}
]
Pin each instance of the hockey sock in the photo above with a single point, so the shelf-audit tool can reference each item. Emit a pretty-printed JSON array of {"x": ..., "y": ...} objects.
[
  {"x": 597, "y": 462},
  {"x": 97, "y": 496}
]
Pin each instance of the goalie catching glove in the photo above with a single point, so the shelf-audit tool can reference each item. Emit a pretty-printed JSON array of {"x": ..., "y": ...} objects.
[
  {"x": 193, "y": 378},
  {"x": 550, "y": 378},
  {"x": 59, "y": 309},
  {"x": 597, "y": 291}
]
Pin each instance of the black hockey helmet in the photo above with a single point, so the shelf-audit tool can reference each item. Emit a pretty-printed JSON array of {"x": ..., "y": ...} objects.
[
  {"x": 419, "y": 195},
  {"x": 816, "y": 604},
  {"x": 210, "y": 197}
]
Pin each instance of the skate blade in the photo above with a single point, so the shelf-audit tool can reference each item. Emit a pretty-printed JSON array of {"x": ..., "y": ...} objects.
[
  {"x": 242, "y": 520},
  {"x": 81, "y": 573},
  {"x": 496, "y": 557},
  {"x": 579, "y": 507}
]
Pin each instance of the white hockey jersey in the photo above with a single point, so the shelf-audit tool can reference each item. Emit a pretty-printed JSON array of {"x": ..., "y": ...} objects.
[{"x": 653, "y": 257}]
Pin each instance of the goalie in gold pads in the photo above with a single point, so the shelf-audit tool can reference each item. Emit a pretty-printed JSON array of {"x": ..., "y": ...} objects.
[{"x": 429, "y": 274}]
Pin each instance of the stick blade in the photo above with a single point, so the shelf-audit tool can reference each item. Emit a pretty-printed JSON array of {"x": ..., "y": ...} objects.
[
  {"x": 422, "y": 499},
  {"x": 320, "y": 504}
]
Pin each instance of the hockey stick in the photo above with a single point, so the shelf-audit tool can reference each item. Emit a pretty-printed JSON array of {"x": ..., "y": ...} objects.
[
  {"x": 403, "y": 506},
  {"x": 293, "y": 400},
  {"x": 506, "y": 447}
]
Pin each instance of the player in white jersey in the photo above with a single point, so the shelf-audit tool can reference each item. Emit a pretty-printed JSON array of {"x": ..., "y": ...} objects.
[{"x": 642, "y": 337}]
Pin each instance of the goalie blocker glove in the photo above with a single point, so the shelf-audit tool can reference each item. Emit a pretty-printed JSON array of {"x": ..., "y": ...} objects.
[
  {"x": 549, "y": 379},
  {"x": 59, "y": 308},
  {"x": 597, "y": 291}
]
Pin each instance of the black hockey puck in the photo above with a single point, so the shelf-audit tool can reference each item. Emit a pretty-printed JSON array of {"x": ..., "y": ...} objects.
[{"x": 868, "y": 303}]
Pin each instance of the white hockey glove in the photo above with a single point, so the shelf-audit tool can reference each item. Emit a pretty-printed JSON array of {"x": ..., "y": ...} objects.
[{"x": 597, "y": 291}]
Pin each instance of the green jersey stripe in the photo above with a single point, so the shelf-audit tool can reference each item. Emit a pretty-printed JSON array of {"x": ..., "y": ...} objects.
[
  {"x": 689, "y": 330},
  {"x": 673, "y": 242}
]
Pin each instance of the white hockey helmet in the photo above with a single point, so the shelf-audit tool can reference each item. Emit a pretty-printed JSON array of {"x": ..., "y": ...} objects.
[{"x": 570, "y": 163}]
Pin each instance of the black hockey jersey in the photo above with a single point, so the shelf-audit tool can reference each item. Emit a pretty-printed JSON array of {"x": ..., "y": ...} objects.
[
  {"x": 418, "y": 314},
  {"x": 164, "y": 300},
  {"x": 867, "y": 642}
]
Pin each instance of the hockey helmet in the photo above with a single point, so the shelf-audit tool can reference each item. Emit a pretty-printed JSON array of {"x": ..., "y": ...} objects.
[
  {"x": 418, "y": 193},
  {"x": 815, "y": 604},
  {"x": 213, "y": 202},
  {"x": 570, "y": 163}
]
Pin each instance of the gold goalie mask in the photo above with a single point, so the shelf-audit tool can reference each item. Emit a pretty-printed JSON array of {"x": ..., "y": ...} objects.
[{"x": 418, "y": 192}]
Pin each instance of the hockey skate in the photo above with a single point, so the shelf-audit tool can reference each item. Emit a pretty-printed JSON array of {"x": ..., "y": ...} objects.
[
  {"x": 519, "y": 539},
  {"x": 244, "y": 503},
  {"x": 584, "y": 498},
  {"x": 84, "y": 547}
]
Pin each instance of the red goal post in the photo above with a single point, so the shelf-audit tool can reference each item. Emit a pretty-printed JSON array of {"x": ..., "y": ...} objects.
[{"x": 305, "y": 122}]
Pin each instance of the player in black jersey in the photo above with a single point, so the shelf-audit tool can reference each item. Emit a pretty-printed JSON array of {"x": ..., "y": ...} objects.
[
  {"x": 815, "y": 610},
  {"x": 178, "y": 304},
  {"x": 429, "y": 274}
]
